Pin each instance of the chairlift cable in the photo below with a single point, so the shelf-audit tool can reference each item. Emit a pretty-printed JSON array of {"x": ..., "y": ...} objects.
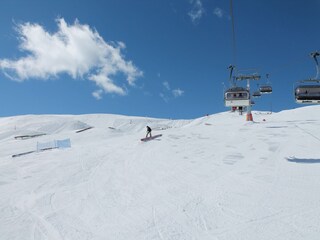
[{"x": 233, "y": 34}]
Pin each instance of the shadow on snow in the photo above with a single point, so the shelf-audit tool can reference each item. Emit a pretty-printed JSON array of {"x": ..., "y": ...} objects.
[{"x": 303, "y": 160}]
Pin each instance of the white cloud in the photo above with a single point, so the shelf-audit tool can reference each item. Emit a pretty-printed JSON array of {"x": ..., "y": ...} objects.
[
  {"x": 166, "y": 85},
  {"x": 74, "y": 49},
  {"x": 97, "y": 94},
  {"x": 168, "y": 92},
  {"x": 197, "y": 10},
  {"x": 164, "y": 97},
  {"x": 218, "y": 12},
  {"x": 177, "y": 92}
]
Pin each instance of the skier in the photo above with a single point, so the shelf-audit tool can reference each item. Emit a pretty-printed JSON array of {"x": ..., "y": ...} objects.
[{"x": 148, "y": 131}]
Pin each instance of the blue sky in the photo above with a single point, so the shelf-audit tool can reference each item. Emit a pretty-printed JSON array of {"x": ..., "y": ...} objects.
[{"x": 155, "y": 58}]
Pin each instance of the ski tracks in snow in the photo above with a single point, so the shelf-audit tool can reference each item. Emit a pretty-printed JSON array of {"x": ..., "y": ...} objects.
[{"x": 43, "y": 228}]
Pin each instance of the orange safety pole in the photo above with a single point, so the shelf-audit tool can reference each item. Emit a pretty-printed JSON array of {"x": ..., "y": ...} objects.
[{"x": 249, "y": 114}]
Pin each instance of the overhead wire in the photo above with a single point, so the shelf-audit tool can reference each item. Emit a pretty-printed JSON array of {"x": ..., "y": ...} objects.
[{"x": 234, "y": 50}]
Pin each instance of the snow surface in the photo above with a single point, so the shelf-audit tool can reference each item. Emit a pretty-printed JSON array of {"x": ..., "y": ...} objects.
[{"x": 215, "y": 177}]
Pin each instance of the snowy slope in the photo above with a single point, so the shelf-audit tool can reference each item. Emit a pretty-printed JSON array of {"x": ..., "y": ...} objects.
[{"x": 216, "y": 177}]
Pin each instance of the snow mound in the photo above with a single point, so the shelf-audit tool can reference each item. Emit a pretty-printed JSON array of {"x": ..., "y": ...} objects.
[
  {"x": 38, "y": 125},
  {"x": 51, "y": 127}
]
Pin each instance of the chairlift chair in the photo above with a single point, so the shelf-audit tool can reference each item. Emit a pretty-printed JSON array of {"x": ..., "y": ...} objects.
[
  {"x": 307, "y": 94},
  {"x": 256, "y": 94},
  {"x": 308, "y": 91},
  {"x": 237, "y": 97},
  {"x": 265, "y": 89}
]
